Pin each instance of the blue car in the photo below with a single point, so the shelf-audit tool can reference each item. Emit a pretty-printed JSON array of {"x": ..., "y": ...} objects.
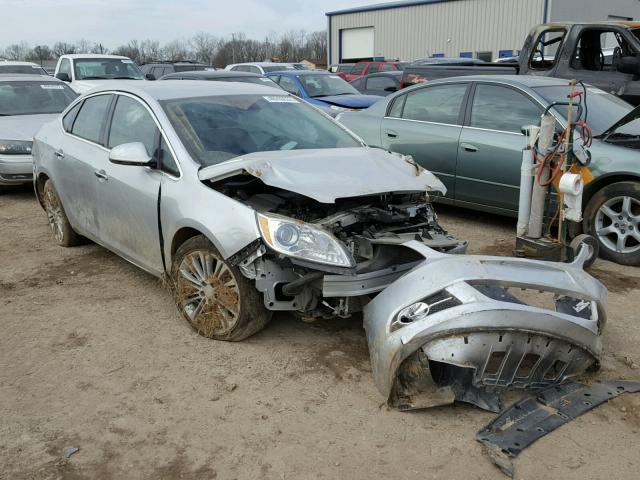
[{"x": 324, "y": 90}]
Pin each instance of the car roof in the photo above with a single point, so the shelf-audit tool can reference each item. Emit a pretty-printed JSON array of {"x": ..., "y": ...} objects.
[
  {"x": 299, "y": 73},
  {"x": 213, "y": 74},
  {"x": 173, "y": 89},
  {"x": 198, "y": 64},
  {"x": 92, "y": 55},
  {"x": 15, "y": 63},
  {"x": 529, "y": 81},
  {"x": 26, "y": 77}
]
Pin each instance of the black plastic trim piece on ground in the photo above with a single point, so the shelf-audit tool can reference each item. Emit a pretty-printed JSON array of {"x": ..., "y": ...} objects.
[{"x": 526, "y": 421}]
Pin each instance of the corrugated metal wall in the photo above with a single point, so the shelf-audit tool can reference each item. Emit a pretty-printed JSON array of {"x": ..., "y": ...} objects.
[
  {"x": 409, "y": 33},
  {"x": 592, "y": 10}
]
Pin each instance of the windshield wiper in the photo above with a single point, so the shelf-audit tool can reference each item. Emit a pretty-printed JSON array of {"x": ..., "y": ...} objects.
[
  {"x": 623, "y": 135},
  {"x": 127, "y": 78},
  {"x": 94, "y": 78},
  {"x": 331, "y": 95}
]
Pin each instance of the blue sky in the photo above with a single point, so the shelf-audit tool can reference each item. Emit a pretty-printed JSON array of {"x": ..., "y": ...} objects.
[{"x": 113, "y": 22}]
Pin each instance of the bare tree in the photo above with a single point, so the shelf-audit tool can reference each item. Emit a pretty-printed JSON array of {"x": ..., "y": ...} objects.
[
  {"x": 63, "y": 48},
  {"x": 17, "y": 51},
  {"x": 83, "y": 46},
  {"x": 176, "y": 51},
  {"x": 204, "y": 46},
  {"x": 99, "y": 48},
  {"x": 40, "y": 53}
]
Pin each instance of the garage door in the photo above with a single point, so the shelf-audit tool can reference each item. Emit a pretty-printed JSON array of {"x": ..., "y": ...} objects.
[{"x": 356, "y": 43}]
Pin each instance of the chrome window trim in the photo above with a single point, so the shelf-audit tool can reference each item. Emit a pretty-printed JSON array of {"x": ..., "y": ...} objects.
[
  {"x": 423, "y": 121},
  {"x": 144, "y": 104},
  {"x": 553, "y": 111}
]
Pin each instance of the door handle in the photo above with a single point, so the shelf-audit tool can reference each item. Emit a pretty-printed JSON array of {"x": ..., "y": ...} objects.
[
  {"x": 469, "y": 148},
  {"x": 101, "y": 174},
  {"x": 59, "y": 153},
  {"x": 391, "y": 133}
]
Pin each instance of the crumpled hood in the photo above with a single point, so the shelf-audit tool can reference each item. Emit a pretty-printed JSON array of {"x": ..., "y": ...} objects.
[
  {"x": 350, "y": 101},
  {"x": 328, "y": 174},
  {"x": 23, "y": 127}
]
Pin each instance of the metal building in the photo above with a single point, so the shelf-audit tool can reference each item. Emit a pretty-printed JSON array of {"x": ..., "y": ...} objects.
[{"x": 486, "y": 29}]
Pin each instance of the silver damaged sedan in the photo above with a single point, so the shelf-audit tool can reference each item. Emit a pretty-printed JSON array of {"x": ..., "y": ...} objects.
[{"x": 250, "y": 201}]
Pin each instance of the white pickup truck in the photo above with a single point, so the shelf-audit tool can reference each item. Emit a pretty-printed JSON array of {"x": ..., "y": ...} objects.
[{"x": 85, "y": 71}]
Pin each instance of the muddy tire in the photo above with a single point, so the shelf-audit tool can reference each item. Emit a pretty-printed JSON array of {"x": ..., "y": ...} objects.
[
  {"x": 215, "y": 298},
  {"x": 613, "y": 217},
  {"x": 62, "y": 230}
]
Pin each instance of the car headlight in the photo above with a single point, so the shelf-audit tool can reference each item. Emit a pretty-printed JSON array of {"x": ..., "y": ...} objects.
[
  {"x": 15, "y": 147},
  {"x": 303, "y": 240}
]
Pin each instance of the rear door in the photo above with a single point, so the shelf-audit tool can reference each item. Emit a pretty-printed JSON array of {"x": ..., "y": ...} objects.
[
  {"x": 490, "y": 153},
  {"x": 426, "y": 123},
  {"x": 128, "y": 195},
  {"x": 78, "y": 159}
]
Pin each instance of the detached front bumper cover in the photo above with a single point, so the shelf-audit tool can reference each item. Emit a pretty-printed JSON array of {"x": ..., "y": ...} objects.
[{"x": 465, "y": 327}]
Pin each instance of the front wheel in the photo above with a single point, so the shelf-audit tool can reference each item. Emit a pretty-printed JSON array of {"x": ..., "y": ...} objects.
[
  {"x": 613, "y": 217},
  {"x": 214, "y": 297}
]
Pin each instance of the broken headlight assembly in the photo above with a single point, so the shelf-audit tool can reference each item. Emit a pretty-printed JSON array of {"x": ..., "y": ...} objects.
[
  {"x": 15, "y": 147},
  {"x": 304, "y": 241}
]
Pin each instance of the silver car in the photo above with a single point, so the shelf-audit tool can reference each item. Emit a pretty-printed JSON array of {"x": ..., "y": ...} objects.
[
  {"x": 26, "y": 103},
  {"x": 250, "y": 201}
]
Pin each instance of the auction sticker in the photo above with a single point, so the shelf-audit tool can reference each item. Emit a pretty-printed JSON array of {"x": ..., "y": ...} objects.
[
  {"x": 52, "y": 87},
  {"x": 126, "y": 60},
  {"x": 280, "y": 99}
]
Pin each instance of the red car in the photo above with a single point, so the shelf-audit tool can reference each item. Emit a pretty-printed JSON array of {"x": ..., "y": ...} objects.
[{"x": 361, "y": 69}]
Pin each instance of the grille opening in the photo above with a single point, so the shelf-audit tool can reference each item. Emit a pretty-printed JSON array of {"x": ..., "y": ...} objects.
[
  {"x": 555, "y": 370},
  {"x": 527, "y": 365},
  {"x": 494, "y": 363}
]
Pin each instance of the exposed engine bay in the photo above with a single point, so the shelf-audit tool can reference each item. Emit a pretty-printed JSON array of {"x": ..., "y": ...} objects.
[{"x": 372, "y": 228}]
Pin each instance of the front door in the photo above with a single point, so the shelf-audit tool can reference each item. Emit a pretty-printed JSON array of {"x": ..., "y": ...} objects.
[
  {"x": 128, "y": 195},
  {"x": 426, "y": 124},
  {"x": 491, "y": 143}
]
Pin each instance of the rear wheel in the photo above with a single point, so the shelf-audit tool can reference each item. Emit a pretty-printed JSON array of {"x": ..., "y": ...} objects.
[
  {"x": 58, "y": 222},
  {"x": 214, "y": 297},
  {"x": 613, "y": 217}
]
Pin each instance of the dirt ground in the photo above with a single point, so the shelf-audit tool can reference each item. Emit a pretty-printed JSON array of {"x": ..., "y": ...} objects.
[{"x": 94, "y": 355}]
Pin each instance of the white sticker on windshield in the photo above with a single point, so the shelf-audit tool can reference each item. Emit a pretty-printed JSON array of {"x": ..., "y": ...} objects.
[
  {"x": 126, "y": 60},
  {"x": 52, "y": 87},
  {"x": 35, "y": 66},
  {"x": 280, "y": 99},
  {"x": 268, "y": 80},
  {"x": 334, "y": 76}
]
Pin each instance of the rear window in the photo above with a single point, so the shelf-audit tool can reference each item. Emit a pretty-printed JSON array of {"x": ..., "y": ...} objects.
[
  {"x": 23, "y": 69},
  {"x": 358, "y": 68},
  {"x": 188, "y": 68},
  {"x": 31, "y": 98},
  {"x": 277, "y": 68},
  {"x": 218, "y": 128}
]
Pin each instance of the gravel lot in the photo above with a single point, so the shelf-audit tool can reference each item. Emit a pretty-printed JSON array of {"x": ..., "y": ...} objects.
[{"x": 94, "y": 355}]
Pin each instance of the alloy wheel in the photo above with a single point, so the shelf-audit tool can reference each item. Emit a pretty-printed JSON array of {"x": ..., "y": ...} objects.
[
  {"x": 208, "y": 293},
  {"x": 617, "y": 224},
  {"x": 54, "y": 214}
]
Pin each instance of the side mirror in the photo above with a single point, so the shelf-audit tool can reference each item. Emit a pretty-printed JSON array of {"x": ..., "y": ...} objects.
[
  {"x": 629, "y": 65},
  {"x": 150, "y": 76},
  {"x": 63, "y": 76},
  {"x": 391, "y": 89},
  {"x": 134, "y": 153}
]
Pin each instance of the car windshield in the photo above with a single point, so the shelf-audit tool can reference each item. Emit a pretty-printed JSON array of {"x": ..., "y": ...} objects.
[
  {"x": 106, "y": 68},
  {"x": 215, "y": 129},
  {"x": 277, "y": 68},
  {"x": 23, "y": 69},
  {"x": 604, "y": 109},
  {"x": 326, "y": 85},
  {"x": 32, "y": 98},
  {"x": 255, "y": 80}
]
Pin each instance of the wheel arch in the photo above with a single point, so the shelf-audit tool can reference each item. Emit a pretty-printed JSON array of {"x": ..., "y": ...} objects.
[
  {"x": 41, "y": 179},
  {"x": 600, "y": 182}
]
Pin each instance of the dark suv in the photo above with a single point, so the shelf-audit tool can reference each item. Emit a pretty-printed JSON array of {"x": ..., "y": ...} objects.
[{"x": 153, "y": 71}]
